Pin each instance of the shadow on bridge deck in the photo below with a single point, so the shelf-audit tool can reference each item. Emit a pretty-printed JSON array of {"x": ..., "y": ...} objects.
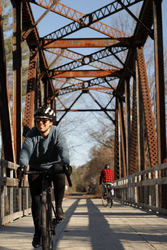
[{"x": 89, "y": 225}]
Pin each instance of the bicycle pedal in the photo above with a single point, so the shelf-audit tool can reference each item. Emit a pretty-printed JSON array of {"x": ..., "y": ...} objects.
[
  {"x": 53, "y": 232},
  {"x": 54, "y": 221},
  {"x": 59, "y": 220}
]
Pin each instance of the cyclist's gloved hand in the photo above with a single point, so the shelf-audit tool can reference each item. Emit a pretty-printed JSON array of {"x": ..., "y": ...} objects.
[
  {"x": 68, "y": 170},
  {"x": 21, "y": 171}
]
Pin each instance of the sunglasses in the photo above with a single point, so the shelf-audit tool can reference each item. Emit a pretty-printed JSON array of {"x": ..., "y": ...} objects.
[{"x": 43, "y": 120}]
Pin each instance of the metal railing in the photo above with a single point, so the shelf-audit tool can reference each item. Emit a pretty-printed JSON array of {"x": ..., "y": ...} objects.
[
  {"x": 14, "y": 202},
  {"x": 146, "y": 189}
]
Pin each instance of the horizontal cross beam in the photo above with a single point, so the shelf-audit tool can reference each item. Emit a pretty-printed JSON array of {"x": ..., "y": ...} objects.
[
  {"x": 85, "y": 110},
  {"x": 84, "y": 43},
  {"x": 84, "y": 73}
]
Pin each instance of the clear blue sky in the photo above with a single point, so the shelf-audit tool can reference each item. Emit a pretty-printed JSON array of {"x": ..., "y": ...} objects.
[{"x": 164, "y": 18}]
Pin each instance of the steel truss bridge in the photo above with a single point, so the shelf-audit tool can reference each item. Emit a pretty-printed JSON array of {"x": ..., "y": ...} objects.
[{"x": 140, "y": 140}]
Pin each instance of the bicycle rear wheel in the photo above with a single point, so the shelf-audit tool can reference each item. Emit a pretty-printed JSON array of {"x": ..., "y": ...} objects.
[
  {"x": 110, "y": 202},
  {"x": 44, "y": 228},
  {"x": 104, "y": 200}
]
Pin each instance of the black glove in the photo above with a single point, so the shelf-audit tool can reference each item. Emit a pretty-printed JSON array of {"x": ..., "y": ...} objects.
[
  {"x": 21, "y": 171},
  {"x": 68, "y": 170}
]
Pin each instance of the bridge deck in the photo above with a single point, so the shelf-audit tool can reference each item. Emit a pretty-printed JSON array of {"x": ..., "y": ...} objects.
[{"x": 89, "y": 225}]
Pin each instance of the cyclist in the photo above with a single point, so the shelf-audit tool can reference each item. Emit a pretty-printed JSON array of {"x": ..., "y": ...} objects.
[
  {"x": 106, "y": 176},
  {"x": 45, "y": 146}
]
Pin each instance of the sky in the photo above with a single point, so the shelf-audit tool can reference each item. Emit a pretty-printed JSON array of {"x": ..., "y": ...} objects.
[
  {"x": 78, "y": 138},
  {"x": 164, "y": 18}
]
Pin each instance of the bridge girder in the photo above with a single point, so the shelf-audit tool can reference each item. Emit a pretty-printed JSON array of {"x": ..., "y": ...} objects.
[{"x": 44, "y": 82}]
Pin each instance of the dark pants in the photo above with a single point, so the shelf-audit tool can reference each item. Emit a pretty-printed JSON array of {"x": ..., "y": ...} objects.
[{"x": 35, "y": 182}]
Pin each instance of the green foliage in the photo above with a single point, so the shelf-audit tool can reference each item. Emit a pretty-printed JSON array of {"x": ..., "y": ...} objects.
[
  {"x": 100, "y": 155},
  {"x": 77, "y": 178},
  {"x": 6, "y": 14},
  {"x": 8, "y": 41}
]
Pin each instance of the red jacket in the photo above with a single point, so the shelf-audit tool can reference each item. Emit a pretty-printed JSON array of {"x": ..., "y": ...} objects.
[{"x": 107, "y": 175}]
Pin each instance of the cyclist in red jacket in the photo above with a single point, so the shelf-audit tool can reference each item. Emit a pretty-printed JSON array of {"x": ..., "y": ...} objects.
[{"x": 106, "y": 176}]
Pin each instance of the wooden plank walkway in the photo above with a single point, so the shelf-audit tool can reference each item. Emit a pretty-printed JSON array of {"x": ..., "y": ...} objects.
[{"x": 89, "y": 225}]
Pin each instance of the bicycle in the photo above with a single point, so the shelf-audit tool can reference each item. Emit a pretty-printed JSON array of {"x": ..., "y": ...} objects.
[
  {"x": 47, "y": 224},
  {"x": 107, "y": 197}
]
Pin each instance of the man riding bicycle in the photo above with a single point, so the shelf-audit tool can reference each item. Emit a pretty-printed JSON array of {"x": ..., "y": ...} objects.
[
  {"x": 106, "y": 176},
  {"x": 44, "y": 147}
]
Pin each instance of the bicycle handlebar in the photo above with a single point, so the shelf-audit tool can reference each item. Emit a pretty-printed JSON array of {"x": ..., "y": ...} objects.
[{"x": 42, "y": 172}]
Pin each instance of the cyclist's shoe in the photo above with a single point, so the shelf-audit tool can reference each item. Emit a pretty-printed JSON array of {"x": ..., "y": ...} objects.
[
  {"x": 36, "y": 240},
  {"x": 60, "y": 214}
]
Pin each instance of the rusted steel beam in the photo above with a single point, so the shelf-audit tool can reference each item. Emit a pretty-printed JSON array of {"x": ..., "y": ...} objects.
[
  {"x": 80, "y": 85},
  {"x": 50, "y": 65},
  {"x": 116, "y": 144},
  {"x": 84, "y": 73},
  {"x": 139, "y": 38},
  {"x": 133, "y": 150},
  {"x": 85, "y": 110},
  {"x": 91, "y": 59},
  {"x": 33, "y": 41},
  {"x": 127, "y": 122},
  {"x": 25, "y": 35},
  {"x": 17, "y": 77},
  {"x": 140, "y": 120},
  {"x": 90, "y": 19},
  {"x": 46, "y": 84},
  {"x": 4, "y": 101},
  {"x": 38, "y": 86},
  {"x": 77, "y": 16},
  {"x": 160, "y": 86},
  {"x": 152, "y": 141},
  {"x": 72, "y": 88},
  {"x": 84, "y": 43},
  {"x": 123, "y": 142},
  {"x": 86, "y": 60},
  {"x": 30, "y": 95}
]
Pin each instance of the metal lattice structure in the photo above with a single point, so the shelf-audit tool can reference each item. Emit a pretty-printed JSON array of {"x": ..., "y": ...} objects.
[{"x": 41, "y": 88}]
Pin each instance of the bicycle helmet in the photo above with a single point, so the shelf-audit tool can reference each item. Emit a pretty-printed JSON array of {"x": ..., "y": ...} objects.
[
  {"x": 45, "y": 112},
  {"x": 107, "y": 166}
]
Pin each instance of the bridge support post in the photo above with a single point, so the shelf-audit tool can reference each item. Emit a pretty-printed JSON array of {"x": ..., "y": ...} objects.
[
  {"x": 3, "y": 194},
  {"x": 140, "y": 131},
  {"x": 128, "y": 125},
  {"x": 133, "y": 159},
  {"x": 122, "y": 132},
  {"x": 17, "y": 76},
  {"x": 159, "y": 75},
  {"x": 119, "y": 144},
  {"x": 30, "y": 95},
  {"x": 139, "y": 121},
  {"x": 11, "y": 194},
  {"x": 6, "y": 130},
  {"x": 45, "y": 92},
  {"x": 116, "y": 143},
  {"x": 160, "y": 93}
]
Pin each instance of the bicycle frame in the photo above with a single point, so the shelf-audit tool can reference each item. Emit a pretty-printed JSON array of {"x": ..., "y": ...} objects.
[
  {"x": 47, "y": 224},
  {"x": 107, "y": 198}
]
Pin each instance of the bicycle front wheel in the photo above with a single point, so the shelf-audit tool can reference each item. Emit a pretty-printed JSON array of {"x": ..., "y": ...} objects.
[
  {"x": 44, "y": 228},
  {"x": 50, "y": 224}
]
